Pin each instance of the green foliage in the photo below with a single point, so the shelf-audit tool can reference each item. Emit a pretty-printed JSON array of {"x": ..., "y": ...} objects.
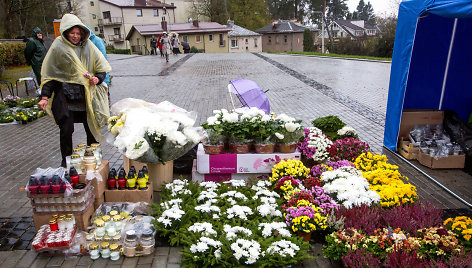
[
  {"x": 308, "y": 40},
  {"x": 333, "y": 249},
  {"x": 249, "y": 14},
  {"x": 329, "y": 125},
  {"x": 194, "y": 50},
  {"x": 119, "y": 51},
  {"x": 286, "y": 9},
  {"x": 365, "y": 12},
  {"x": 12, "y": 54}
]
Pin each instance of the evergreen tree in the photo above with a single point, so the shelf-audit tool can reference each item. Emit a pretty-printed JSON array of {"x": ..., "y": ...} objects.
[
  {"x": 365, "y": 12},
  {"x": 287, "y": 9},
  {"x": 308, "y": 40},
  {"x": 251, "y": 14}
]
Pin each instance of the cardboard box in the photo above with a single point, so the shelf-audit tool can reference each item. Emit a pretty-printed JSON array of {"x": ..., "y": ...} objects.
[
  {"x": 98, "y": 201},
  {"x": 198, "y": 177},
  {"x": 130, "y": 195},
  {"x": 82, "y": 218},
  {"x": 407, "y": 149},
  {"x": 451, "y": 161},
  {"x": 99, "y": 186},
  {"x": 159, "y": 173},
  {"x": 239, "y": 163},
  {"x": 410, "y": 118}
]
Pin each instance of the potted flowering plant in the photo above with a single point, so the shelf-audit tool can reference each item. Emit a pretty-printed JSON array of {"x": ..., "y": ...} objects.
[
  {"x": 263, "y": 130},
  {"x": 306, "y": 219},
  {"x": 214, "y": 141},
  {"x": 11, "y": 101},
  {"x": 20, "y": 116},
  {"x": 6, "y": 117},
  {"x": 238, "y": 129},
  {"x": 288, "y": 133}
]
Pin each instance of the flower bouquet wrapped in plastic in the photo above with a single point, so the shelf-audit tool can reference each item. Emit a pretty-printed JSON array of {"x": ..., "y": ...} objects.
[{"x": 152, "y": 133}]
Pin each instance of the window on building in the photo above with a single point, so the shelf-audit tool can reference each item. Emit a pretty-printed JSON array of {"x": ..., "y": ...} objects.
[
  {"x": 342, "y": 34},
  {"x": 285, "y": 39},
  {"x": 139, "y": 12},
  {"x": 247, "y": 48},
  {"x": 185, "y": 38},
  {"x": 276, "y": 39},
  {"x": 269, "y": 39},
  {"x": 198, "y": 38},
  {"x": 116, "y": 31},
  {"x": 92, "y": 3},
  {"x": 222, "y": 41},
  {"x": 172, "y": 4},
  {"x": 156, "y": 12},
  {"x": 247, "y": 40},
  {"x": 106, "y": 15},
  {"x": 94, "y": 16},
  {"x": 164, "y": 11},
  {"x": 255, "y": 42},
  {"x": 96, "y": 29},
  {"x": 234, "y": 43},
  {"x": 210, "y": 37},
  {"x": 101, "y": 29}
]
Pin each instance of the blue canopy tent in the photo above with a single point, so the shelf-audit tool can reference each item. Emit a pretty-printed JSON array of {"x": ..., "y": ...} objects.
[{"x": 432, "y": 61}]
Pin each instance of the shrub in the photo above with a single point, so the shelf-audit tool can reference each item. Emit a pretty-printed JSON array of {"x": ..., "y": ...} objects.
[
  {"x": 329, "y": 125},
  {"x": 194, "y": 50},
  {"x": 119, "y": 51},
  {"x": 12, "y": 54}
]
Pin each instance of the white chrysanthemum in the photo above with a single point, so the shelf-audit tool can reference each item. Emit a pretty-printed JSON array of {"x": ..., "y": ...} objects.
[
  {"x": 346, "y": 130},
  {"x": 172, "y": 203},
  {"x": 237, "y": 211},
  {"x": 269, "y": 228},
  {"x": 205, "y": 195},
  {"x": 269, "y": 210},
  {"x": 279, "y": 136},
  {"x": 192, "y": 134},
  {"x": 177, "y": 138},
  {"x": 232, "y": 232},
  {"x": 249, "y": 249},
  {"x": 204, "y": 243},
  {"x": 236, "y": 183},
  {"x": 283, "y": 248},
  {"x": 291, "y": 127},
  {"x": 210, "y": 185},
  {"x": 205, "y": 228},
  {"x": 169, "y": 216}
]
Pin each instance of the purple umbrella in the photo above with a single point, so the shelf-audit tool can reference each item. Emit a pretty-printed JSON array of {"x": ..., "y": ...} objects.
[{"x": 250, "y": 94}]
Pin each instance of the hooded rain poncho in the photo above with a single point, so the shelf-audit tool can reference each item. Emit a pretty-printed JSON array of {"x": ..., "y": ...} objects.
[{"x": 69, "y": 63}]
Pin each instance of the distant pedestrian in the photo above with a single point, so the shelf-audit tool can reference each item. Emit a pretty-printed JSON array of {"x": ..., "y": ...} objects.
[
  {"x": 185, "y": 47},
  {"x": 159, "y": 45},
  {"x": 35, "y": 52},
  {"x": 175, "y": 44},
  {"x": 153, "y": 45},
  {"x": 166, "y": 45}
]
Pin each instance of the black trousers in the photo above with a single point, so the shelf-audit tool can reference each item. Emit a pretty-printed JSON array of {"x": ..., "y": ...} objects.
[{"x": 67, "y": 129}]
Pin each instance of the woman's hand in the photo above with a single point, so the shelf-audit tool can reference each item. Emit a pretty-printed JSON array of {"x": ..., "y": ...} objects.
[
  {"x": 43, "y": 103},
  {"x": 94, "y": 80}
]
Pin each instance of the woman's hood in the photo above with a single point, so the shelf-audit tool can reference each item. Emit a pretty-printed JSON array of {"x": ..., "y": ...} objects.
[{"x": 68, "y": 21}]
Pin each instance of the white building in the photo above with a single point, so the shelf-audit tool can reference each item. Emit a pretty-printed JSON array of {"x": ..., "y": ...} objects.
[
  {"x": 350, "y": 28},
  {"x": 243, "y": 40}
]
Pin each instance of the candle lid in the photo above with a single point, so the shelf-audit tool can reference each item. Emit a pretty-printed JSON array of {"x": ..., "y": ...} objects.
[
  {"x": 95, "y": 144},
  {"x": 76, "y": 150},
  {"x": 75, "y": 156},
  {"x": 89, "y": 237},
  {"x": 113, "y": 213},
  {"x": 55, "y": 216},
  {"x": 114, "y": 247},
  {"x": 117, "y": 238},
  {"x": 107, "y": 238},
  {"x": 106, "y": 218},
  {"x": 80, "y": 145},
  {"x": 117, "y": 218},
  {"x": 100, "y": 223},
  {"x": 93, "y": 246},
  {"x": 104, "y": 245},
  {"x": 53, "y": 221}
]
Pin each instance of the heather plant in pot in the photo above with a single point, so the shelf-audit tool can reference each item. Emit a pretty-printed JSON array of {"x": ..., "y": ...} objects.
[{"x": 329, "y": 125}]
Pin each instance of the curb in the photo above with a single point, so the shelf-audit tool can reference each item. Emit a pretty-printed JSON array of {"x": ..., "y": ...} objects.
[{"x": 328, "y": 57}]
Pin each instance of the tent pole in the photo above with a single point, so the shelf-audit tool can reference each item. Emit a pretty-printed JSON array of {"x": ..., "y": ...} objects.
[
  {"x": 430, "y": 178},
  {"x": 451, "y": 44}
]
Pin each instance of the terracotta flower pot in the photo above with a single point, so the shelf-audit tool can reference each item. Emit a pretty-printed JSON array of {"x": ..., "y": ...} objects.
[
  {"x": 264, "y": 148},
  {"x": 287, "y": 148},
  {"x": 305, "y": 236},
  {"x": 240, "y": 148},
  {"x": 213, "y": 149}
]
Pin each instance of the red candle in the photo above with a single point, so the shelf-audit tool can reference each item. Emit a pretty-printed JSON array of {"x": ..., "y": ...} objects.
[
  {"x": 53, "y": 225},
  {"x": 74, "y": 176}
]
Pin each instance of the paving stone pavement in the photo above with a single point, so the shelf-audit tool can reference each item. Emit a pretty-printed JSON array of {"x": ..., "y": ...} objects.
[{"x": 199, "y": 83}]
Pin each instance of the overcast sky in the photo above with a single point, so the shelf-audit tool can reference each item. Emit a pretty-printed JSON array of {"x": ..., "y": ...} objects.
[{"x": 381, "y": 7}]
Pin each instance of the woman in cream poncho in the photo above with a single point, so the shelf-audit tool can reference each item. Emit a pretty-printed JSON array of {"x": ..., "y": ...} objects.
[{"x": 71, "y": 85}]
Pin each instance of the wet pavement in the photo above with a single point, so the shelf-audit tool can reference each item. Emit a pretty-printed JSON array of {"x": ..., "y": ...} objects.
[{"x": 303, "y": 87}]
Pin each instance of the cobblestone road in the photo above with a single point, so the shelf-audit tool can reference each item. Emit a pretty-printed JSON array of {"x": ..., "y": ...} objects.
[{"x": 298, "y": 86}]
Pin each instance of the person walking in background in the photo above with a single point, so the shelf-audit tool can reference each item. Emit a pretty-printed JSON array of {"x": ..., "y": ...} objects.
[
  {"x": 185, "y": 47},
  {"x": 166, "y": 45},
  {"x": 35, "y": 51},
  {"x": 100, "y": 44},
  {"x": 153, "y": 45},
  {"x": 159, "y": 45},
  {"x": 71, "y": 90},
  {"x": 175, "y": 44}
]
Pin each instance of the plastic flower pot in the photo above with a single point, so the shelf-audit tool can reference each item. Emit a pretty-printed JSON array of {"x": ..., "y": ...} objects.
[
  {"x": 240, "y": 148},
  {"x": 213, "y": 149},
  {"x": 287, "y": 148},
  {"x": 23, "y": 122},
  {"x": 305, "y": 236},
  {"x": 264, "y": 148}
]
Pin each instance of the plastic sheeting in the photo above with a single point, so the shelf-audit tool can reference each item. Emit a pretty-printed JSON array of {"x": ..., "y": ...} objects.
[{"x": 431, "y": 61}]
